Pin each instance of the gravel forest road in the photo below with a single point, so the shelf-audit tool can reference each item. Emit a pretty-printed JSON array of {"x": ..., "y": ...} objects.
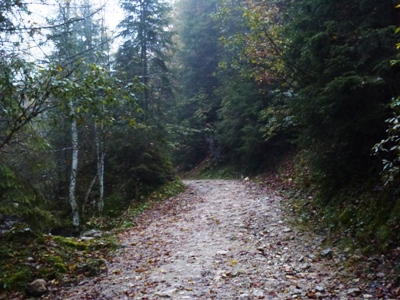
[{"x": 220, "y": 239}]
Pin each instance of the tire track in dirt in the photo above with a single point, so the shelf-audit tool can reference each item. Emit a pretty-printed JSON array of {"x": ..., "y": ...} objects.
[{"x": 220, "y": 239}]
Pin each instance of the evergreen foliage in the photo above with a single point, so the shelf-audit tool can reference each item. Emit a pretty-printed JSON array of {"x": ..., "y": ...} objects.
[
  {"x": 308, "y": 74},
  {"x": 343, "y": 83},
  {"x": 251, "y": 74},
  {"x": 389, "y": 148},
  {"x": 21, "y": 199},
  {"x": 251, "y": 80},
  {"x": 199, "y": 46},
  {"x": 147, "y": 39},
  {"x": 138, "y": 162},
  {"x": 238, "y": 130},
  {"x": 196, "y": 62}
]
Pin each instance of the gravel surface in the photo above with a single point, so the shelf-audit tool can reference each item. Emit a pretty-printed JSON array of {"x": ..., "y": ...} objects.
[{"x": 221, "y": 240}]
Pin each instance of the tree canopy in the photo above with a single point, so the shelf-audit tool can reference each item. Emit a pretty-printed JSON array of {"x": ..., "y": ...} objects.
[{"x": 97, "y": 121}]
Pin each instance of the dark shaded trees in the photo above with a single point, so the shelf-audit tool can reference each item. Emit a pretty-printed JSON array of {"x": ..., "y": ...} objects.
[
  {"x": 199, "y": 49},
  {"x": 196, "y": 63},
  {"x": 252, "y": 78},
  {"x": 143, "y": 58},
  {"x": 344, "y": 81}
]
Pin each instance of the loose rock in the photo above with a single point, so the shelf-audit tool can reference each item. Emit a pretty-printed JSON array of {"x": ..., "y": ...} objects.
[
  {"x": 167, "y": 293},
  {"x": 327, "y": 253},
  {"x": 37, "y": 288},
  {"x": 354, "y": 292}
]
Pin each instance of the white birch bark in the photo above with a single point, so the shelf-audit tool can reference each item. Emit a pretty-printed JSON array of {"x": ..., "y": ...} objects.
[
  {"x": 74, "y": 131},
  {"x": 88, "y": 194},
  {"x": 100, "y": 165},
  {"x": 74, "y": 170}
]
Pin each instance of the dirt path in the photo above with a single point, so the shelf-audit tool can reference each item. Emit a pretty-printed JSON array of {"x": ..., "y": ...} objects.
[{"x": 219, "y": 240}]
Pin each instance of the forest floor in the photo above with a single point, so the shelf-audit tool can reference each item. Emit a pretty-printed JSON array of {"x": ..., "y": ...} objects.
[{"x": 222, "y": 239}]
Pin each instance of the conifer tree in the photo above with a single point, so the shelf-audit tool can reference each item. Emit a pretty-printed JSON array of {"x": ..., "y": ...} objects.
[
  {"x": 147, "y": 38},
  {"x": 197, "y": 62},
  {"x": 344, "y": 81}
]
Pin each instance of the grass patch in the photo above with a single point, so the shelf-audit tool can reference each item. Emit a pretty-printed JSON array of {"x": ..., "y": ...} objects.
[
  {"x": 210, "y": 170},
  {"x": 72, "y": 243},
  {"x": 56, "y": 259}
]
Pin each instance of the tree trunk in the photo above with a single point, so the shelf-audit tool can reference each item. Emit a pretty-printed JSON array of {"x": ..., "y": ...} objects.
[
  {"x": 100, "y": 165},
  {"x": 143, "y": 57},
  {"x": 88, "y": 194},
  {"x": 74, "y": 170},
  {"x": 74, "y": 130}
]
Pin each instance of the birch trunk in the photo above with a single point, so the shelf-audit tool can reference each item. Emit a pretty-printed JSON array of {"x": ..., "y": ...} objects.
[
  {"x": 88, "y": 194},
  {"x": 74, "y": 171},
  {"x": 74, "y": 128},
  {"x": 100, "y": 165}
]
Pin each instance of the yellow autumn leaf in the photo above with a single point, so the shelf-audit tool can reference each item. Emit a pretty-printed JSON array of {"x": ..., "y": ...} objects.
[{"x": 234, "y": 262}]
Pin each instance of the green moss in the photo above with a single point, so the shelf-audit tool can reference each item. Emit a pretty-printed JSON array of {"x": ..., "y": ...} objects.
[
  {"x": 57, "y": 265},
  {"x": 47, "y": 273},
  {"x": 92, "y": 267},
  {"x": 127, "y": 224},
  {"x": 106, "y": 242},
  {"x": 369, "y": 249},
  {"x": 54, "y": 259},
  {"x": 71, "y": 243},
  {"x": 383, "y": 234},
  {"x": 346, "y": 217},
  {"x": 21, "y": 232},
  {"x": 5, "y": 252},
  {"x": 64, "y": 259},
  {"x": 60, "y": 268},
  {"x": 17, "y": 279}
]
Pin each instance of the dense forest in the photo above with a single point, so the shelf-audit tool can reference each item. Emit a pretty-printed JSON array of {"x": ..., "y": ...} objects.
[{"x": 94, "y": 119}]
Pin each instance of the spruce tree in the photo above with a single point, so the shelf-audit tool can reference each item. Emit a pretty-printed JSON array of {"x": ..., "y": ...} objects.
[
  {"x": 197, "y": 63},
  {"x": 340, "y": 51},
  {"x": 147, "y": 38}
]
